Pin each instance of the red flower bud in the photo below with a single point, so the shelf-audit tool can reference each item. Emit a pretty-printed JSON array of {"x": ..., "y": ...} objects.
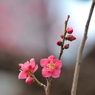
[
  {"x": 61, "y": 35},
  {"x": 66, "y": 46},
  {"x": 70, "y": 38},
  {"x": 59, "y": 43},
  {"x": 69, "y": 30}
]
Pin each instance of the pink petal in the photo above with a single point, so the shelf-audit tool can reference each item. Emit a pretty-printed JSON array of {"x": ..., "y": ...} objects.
[
  {"x": 56, "y": 73},
  {"x": 32, "y": 62},
  {"x": 52, "y": 58},
  {"x": 44, "y": 62},
  {"x": 29, "y": 80},
  {"x": 45, "y": 73},
  {"x": 36, "y": 67},
  {"x": 22, "y": 75},
  {"x": 20, "y": 64},
  {"x": 58, "y": 63},
  {"x": 25, "y": 66}
]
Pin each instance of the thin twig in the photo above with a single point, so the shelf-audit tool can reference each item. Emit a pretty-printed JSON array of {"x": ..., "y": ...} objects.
[
  {"x": 63, "y": 40},
  {"x": 80, "y": 52},
  {"x": 38, "y": 82}
]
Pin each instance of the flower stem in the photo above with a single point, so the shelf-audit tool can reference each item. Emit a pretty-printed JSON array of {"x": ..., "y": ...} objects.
[
  {"x": 39, "y": 83},
  {"x": 79, "y": 57}
]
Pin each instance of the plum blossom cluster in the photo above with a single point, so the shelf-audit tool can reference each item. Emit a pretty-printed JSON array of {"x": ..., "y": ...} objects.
[
  {"x": 51, "y": 65},
  {"x": 68, "y": 37},
  {"x": 51, "y": 68}
]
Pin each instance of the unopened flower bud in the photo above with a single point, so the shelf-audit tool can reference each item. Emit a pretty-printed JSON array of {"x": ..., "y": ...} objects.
[
  {"x": 61, "y": 35},
  {"x": 59, "y": 43},
  {"x": 66, "y": 46},
  {"x": 69, "y": 30},
  {"x": 29, "y": 80},
  {"x": 70, "y": 37}
]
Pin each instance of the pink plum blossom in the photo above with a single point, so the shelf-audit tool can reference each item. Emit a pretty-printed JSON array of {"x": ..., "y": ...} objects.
[
  {"x": 51, "y": 67},
  {"x": 26, "y": 68}
]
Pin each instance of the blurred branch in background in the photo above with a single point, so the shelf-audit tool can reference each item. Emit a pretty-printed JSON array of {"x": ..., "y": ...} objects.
[{"x": 80, "y": 52}]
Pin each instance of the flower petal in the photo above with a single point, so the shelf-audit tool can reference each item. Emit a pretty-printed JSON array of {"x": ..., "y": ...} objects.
[
  {"x": 25, "y": 66},
  {"x": 56, "y": 73},
  {"x": 58, "y": 63},
  {"x": 45, "y": 73},
  {"x": 29, "y": 80},
  {"x": 32, "y": 62},
  {"x": 35, "y": 68},
  {"x": 52, "y": 59},
  {"x": 44, "y": 62},
  {"x": 22, "y": 75},
  {"x": 20, "y": 64}
]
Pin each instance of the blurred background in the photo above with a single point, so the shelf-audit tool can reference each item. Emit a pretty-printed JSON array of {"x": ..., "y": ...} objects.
[{"x": 30, "y": 29}]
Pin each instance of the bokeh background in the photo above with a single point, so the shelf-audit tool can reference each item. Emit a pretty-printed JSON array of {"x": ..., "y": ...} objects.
[{"x": 30, "y": 29}]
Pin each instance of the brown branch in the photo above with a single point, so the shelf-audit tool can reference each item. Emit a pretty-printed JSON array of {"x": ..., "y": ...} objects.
[
  {"x": 47, "y": 89},
  {"x": 63, "y": 40},
  {"x": 80, "y": 52}
]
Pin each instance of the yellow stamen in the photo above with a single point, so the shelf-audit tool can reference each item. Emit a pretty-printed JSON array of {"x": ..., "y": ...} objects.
[{"x": 51, "y": 66}]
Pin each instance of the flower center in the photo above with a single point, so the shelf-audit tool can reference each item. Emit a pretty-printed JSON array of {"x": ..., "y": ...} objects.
[
  {"x": 51, "y": 66},
  {"x": 30, "y": 70}
]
